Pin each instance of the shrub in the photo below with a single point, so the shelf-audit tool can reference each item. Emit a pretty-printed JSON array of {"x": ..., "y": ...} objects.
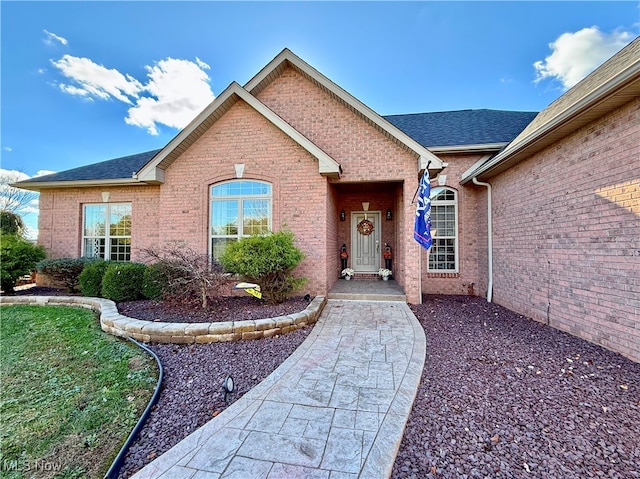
[
  {"x": 65, "y": 270},
  {"x": 187, "y": 272},
  {"x": 18, "y": 257},
  {"x": 123, "y": 281},
  {"x": 267, "y": 261},
  {"x": 90, "y": 278},
  {"x": 155, "y": 283}
]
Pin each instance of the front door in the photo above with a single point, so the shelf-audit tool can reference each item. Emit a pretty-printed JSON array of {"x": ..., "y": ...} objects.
[{"x": 365, "y": 241}]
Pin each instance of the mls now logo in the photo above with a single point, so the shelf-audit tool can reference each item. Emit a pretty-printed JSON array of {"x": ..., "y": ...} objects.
[{"x": 37, "y": 465}]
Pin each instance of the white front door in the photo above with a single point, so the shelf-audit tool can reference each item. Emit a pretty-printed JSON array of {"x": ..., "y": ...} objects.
[{"x": 366, "y": 249}]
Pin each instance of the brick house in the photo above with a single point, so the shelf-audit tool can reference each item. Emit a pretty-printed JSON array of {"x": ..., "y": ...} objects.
[{"x": 538, "y": 212}]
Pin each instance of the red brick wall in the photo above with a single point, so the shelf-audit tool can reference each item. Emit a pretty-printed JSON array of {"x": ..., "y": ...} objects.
[
  {"x": 567, "y": 233},
  {"x": 244, "y": 136},
  {"x": 60, "y": 218},
  {"x": 472, "y": 236},
  {"x": 366, "y": 155}
]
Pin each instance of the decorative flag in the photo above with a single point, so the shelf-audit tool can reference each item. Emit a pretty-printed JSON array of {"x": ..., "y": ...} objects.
[{"x": 422, "y": 226}]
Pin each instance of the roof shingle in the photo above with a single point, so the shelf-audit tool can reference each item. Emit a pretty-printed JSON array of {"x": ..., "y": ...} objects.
[
  {"x": 462, "y": 127},
  {"x": 118, "y": 168}
]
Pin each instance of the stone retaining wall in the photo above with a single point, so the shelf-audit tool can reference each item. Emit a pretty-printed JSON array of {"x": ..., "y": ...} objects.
[{"x": 114, "y": 323}]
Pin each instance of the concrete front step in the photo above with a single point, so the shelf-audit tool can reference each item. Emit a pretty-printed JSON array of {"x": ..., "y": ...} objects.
[
  {"x": 367, "y": 290},
  {"x": 368, "y": 296}
]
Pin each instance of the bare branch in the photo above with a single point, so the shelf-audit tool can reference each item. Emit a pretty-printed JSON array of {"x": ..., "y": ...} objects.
[
  {"x": 188, "y": 271},
  {"x": 15, "y": 199}
]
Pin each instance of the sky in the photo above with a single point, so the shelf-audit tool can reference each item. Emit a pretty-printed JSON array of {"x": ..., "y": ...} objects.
[{"x": 83, "y": 82}]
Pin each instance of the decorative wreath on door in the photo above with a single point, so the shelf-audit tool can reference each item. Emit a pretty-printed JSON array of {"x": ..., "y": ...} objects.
[{"x": 365, "y": 227}]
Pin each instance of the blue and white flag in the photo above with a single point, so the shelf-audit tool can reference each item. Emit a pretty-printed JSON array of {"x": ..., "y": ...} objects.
[{"x": 422, "y": 227}]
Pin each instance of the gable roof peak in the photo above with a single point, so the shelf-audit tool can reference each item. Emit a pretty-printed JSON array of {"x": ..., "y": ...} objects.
[{"x": 287, "y": 58}]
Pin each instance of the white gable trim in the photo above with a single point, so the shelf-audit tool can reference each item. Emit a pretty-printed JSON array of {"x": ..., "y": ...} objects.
[
  {"x": 287, "y": 56},
  {"x": 153, "y": 172}
]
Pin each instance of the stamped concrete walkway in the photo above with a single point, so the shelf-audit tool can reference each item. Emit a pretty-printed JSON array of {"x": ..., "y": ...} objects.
[{"x": 334, "y": 409}]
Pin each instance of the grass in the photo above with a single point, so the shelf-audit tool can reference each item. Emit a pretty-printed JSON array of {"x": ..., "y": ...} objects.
[{"x": 69, "y": 393}]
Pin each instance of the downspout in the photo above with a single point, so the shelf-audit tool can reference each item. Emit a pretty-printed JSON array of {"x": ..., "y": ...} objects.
[{"x": 489, "y": 238}]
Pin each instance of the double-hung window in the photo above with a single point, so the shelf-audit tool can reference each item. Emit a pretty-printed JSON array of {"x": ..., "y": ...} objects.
[
  {"x": 443, "y": 257},
  {"x": 107, "y": 231},
  {"x": 238, "y": 208}
]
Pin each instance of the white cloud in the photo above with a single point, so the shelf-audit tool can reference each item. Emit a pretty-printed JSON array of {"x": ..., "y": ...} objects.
[
  {"x": 179, "y": 91},
  {"x": 52, "y": 37},
  {"x": 176, "y": 90},
  {"x": 96, "y": 80},
  {"x": 7, "y": 148},
  {"x": 575, "y": 55},
  {"x": 43, "y": 172},
  {"x": 202, "y": 64},
  {"x": 10, "y": 176}
]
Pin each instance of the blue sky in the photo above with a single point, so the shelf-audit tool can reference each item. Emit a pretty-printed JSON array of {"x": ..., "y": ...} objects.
[{"x": 88, "y": 81}]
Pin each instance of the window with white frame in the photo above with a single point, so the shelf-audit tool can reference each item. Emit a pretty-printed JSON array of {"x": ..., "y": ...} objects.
[
  {"x": 238, "y": 208},
  {"x": 107, "y": 231},
  {"x": 443, "y": 257}
]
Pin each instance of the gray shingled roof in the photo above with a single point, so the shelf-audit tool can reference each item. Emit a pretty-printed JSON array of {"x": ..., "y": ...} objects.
[
  {"x": 118, "y": 168},
  {"x": 447, "y": 128},
  {"x": 463, "y": 127}
]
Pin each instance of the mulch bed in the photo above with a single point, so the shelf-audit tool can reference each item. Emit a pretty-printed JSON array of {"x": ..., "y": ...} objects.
[{"x": 501, "y": 396}]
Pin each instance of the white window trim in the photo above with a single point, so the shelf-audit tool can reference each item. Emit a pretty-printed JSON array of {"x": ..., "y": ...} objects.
[
  {"x": 107, "y": 236},
  {"x": 453, "y": 202},
  {"x": 240, "y": 209}
]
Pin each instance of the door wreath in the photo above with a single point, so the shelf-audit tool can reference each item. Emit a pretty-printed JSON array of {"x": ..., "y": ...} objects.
[{"x": 365, "y": 227}]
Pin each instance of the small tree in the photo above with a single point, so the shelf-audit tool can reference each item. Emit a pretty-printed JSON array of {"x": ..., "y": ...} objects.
[
  {"x": 186, "y": 272},
  {"x": 11, "y": 223},
  {"x": 15, "y": 200},
  {"x": 18, "y": 257},
  {"x": 268, "y": 261}
]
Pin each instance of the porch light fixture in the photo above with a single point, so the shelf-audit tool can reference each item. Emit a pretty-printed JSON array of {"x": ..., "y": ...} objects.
[
  {"x": 389, "y": 214},
  {"x": 343, "y": 215},
  {"x": 365, "y": 205}
]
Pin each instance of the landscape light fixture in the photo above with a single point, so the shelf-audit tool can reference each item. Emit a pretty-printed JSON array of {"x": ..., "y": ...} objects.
[{"x": 227, "y": 386}]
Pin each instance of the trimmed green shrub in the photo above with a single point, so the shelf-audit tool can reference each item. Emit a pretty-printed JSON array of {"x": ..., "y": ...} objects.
[
  {"x": 155, "y": 282},
  {"x": 267, "y": 261},
  {"x": 18, "y": 257},
  {"x": 90, "y": 279},
  {"x": 123, "y": 281},
  {"x": 65, "y": 270}
]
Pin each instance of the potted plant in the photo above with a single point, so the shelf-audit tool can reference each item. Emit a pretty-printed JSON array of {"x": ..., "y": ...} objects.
[
  {"x": 347, "y": 273},
  {"x": 384, "y": 273}
]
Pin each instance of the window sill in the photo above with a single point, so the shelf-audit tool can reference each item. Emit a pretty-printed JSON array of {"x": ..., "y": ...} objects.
[{"x": 442, "y": 275}]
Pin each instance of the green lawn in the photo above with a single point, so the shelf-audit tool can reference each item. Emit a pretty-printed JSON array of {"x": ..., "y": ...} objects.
[{"x": 69, "y": 393}]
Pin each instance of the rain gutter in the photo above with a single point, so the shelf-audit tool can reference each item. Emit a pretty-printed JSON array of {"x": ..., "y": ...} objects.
[{"x": 489, "y": 239}]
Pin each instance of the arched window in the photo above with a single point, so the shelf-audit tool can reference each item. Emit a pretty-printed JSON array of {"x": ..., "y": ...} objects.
[
  {"x": 443, "y": 257},
  {"x": 238, "y": 208}
]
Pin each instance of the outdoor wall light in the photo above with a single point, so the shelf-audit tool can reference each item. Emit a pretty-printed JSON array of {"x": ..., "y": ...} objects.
[
  {"x": 389, "y": 214},
  {"x": 343, "y": 215}
]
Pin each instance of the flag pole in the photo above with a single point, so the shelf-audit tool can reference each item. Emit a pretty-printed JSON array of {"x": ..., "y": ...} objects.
[{"x": 426, "y": 172}]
